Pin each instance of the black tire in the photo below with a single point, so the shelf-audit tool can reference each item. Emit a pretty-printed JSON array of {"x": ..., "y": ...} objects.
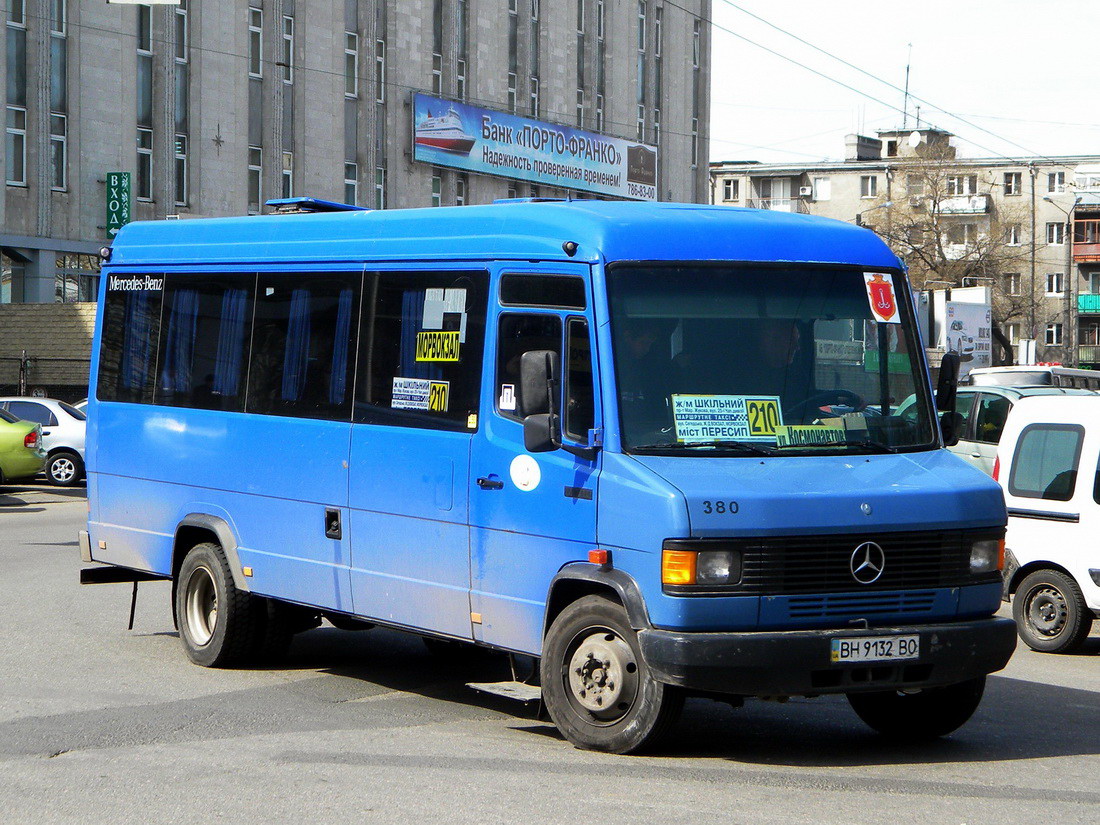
[
  {"x": 595, "y": 684},
  {"x": 1050, "y": 612},
  {"x": 217, "y": 622},
  {"x": 927, "y": 714},
  {"x": 64, "y": 469}
]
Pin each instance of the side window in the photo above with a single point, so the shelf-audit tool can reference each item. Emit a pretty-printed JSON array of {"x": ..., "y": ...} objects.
[
  {"x": 421, "y": 349},
  {"x": 128, "y": 346},
  {"x": 203, "y": 348},
  {"x": 964, "y": 405},
  {"x": 1045, "y": 463},
  {"x": 989, "y": 420},
  {"x": 579, "y": 407},
  {"x": 302, "y": 358},
  {"x": 29, "y": 411},
  {"x": 519, "y": 334}
]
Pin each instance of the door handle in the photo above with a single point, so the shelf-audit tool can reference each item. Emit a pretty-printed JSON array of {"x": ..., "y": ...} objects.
[
  {"x": 490, "y": 484},
  {"x": 332, "y": 524},
  {"x": 975, "y": 455},
  {"x": 45, "y": 432}
]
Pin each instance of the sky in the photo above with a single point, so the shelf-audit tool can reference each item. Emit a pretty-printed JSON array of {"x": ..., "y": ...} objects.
[{"x": 1009, "y": 78}]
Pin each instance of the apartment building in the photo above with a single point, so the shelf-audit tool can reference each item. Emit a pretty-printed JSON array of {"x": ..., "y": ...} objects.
[
  {"x": 1028, "y": 228},
  {"x": 119, "y": 112}
]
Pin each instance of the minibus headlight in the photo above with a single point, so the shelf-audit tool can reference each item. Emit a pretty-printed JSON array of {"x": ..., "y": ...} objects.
[
  {"x": 683, "y": 567},
  {"x": 987, "y": 556},
  {"x": 718, "y": 567}
]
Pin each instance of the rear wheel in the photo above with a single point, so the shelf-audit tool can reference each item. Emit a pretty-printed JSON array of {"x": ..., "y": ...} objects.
[
  {"x": 924, "y": 714},
  {"x": 596, "y": 685},
  {"x": 217, "y": 622},
  {"x": 64, "y": 468},
  {"x": 1050, "y": 612}
]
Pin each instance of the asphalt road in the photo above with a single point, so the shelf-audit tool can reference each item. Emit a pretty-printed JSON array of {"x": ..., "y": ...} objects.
[{"x": 99, "y": 724}]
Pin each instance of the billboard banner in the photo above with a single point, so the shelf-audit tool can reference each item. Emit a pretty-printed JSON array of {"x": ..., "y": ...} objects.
[
  {"x": 459, "y": 136},
  {"x": 968, "y": 331}
]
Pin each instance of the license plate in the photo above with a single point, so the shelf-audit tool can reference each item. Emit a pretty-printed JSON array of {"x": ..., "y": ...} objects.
[{"x": 874, "y": 648}]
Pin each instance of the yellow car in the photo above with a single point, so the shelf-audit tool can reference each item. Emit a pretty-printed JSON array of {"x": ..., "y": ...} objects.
[{"x": 21, "y": 452}]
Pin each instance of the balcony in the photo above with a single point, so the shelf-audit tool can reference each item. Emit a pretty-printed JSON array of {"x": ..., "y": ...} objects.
[
  {"x": 1088, "y": 354},
  {"x": 780, "y": 204},
  {"x": 1086, "y": 238},
  {"x": 1088, "y": 304},
  {"x": 964, "y": 205}
]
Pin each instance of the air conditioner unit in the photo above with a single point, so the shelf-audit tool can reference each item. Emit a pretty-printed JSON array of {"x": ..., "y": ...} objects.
[{"x": 805, "y": 191}]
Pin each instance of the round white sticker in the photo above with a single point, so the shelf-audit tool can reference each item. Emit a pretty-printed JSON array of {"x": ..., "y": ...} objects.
[{"x": 525, "y": 473}]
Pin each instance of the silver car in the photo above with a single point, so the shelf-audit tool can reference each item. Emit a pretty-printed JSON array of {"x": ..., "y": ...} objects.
[
  {"x": 985, "y": 411},
  {"x": 62, "y": 435}
]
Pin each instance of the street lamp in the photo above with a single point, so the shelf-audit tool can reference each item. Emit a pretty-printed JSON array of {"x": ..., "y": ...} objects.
[
  {"x": 1070, "y": 346},
  {"x": 859, "y": 215}
]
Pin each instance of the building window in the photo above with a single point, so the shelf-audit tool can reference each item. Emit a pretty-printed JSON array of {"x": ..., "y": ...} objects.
[
  {"x": 351, "y": 64},
  {"x": 1013, "y": 283},
  {"x": 512, "y": 92},
  {"x": 1054, "y": 283},
  {"x": 255, "y": 178},
  {"x": 1012, "y": 332},
  {"x": 181, "y": 170},
  {"x": 822, "y": 189},
  {"x": 731, "y": 189},
  {"x": 1012, "y": 234},
  {"x": 1056, "y": 234},
  {"x": 380, "y": 187},
  {"x": 255, "y": 42},
  {"x": 534, "y": 96},
  {"x": 288, "y": 174},
  {"x": 380, "y": 71},
  {"x": 143, "y": 189},
  {"x": 962, "y": 233},
  {"x": 460, "y": 190},
  {"x": 599, "y": 113},
  {"x": 16, "y": 154},
  {"x": 868, "y": 186},
  {"x": 437, "y": 47},
  {"x": 288, "y": 49},
  {"x": 461, "y": 14},
  {"x": 580, "y": 108},
  {"x": 599, "y": 19},
  {"x": 183, "y": 32},
  {"x": 1013, "y": 183},
  {"x": 1056, "y": 182},
  {"x": 914, "y": 186},
  {"x": 641, "y": 25},
  {"x": 641, "y": 121},
  {"x": 1054, "y": 335},
  {"x": 437, "y": 188},
  {"x": 694, "y": 142},
  {"x": 961, "y": 185},
  {"x": 351, "y": 183}
]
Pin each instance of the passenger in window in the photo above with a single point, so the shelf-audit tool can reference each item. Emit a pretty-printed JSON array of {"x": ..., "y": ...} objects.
[{"x": 647, "y": 374}]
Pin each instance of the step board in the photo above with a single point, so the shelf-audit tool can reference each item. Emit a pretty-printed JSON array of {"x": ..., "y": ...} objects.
[{"x": 519, "y": 691}]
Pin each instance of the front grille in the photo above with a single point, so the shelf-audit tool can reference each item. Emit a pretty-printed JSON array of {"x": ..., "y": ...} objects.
[
  {"x": 791, "y": 565},
  {"x": 866, "y": 605}
]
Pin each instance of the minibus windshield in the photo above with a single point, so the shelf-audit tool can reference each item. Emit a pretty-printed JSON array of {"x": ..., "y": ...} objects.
[{"x": 762, "y": 359}]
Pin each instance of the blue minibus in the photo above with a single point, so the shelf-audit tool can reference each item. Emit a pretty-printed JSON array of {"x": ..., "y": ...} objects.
[{"x": 652, "y": 446}]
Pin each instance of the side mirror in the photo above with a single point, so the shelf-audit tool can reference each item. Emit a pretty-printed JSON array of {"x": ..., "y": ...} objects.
[
  {"x": 538, "y": 391},
  {"x": 948, "y": 385},
  {"x": 951, "y": 425}
]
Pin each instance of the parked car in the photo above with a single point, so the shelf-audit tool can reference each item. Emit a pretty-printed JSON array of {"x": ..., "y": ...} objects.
[
  {"x": 62, "y": 435},
  {"x": 985, "y": 411},
  {"x": 21, "y": 452},
  {"x": 1049, "y": 469}
]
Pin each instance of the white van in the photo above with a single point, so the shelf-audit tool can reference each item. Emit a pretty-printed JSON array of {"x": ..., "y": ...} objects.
[{"x": 1049, "y": 468}]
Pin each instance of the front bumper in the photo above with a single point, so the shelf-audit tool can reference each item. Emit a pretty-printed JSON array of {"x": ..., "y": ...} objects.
[{"x": 797, "y": 662}]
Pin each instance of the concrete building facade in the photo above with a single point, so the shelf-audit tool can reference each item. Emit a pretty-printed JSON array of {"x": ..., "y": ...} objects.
[
  {"x": 215, "y": 107},
  {"x": 1028, "y": 228}
]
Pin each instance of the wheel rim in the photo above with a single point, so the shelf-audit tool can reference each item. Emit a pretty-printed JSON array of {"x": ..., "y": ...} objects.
[
  {"x": 601, "y": 676},
  {"x": 201, "y": 606},
  {"x": 1047, "y": 611},
  {"x": 62, "y": 469}
]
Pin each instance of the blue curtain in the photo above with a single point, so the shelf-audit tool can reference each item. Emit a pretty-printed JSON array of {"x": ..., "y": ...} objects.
[
  {"x": 227, "y": 365},
  {"x": 337, "y": 386},
  {"x": 138, "y": 343},
  {"x": 175, "y": 377},
  {"x": 297, "y": 346},
  {"x": 412, "y": 319}
]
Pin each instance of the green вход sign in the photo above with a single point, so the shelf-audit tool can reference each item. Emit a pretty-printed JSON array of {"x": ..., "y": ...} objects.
[{"x": 118, "y": 201}]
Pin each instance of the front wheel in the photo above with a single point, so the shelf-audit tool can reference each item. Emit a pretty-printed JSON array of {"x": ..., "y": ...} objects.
[
  {"x": 924, "y": 714},
  {"x": 596, "y": 685},
  {"x": 64, "y": 469},
  {"x": 1050, "y": 612}
]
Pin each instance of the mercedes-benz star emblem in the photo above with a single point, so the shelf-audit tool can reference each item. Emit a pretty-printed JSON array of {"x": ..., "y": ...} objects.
[{"x": 867, "y": 563}]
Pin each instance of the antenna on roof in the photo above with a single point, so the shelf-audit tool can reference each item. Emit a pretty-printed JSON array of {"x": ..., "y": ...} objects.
[{"x": 905, "y": 100}]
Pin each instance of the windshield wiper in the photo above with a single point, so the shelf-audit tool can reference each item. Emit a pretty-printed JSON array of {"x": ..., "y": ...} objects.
[
  {"x": 870, "y": 446},
  {"x": 736, "y": 446}
]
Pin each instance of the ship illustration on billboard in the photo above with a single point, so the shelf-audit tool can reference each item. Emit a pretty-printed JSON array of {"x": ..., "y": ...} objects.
[{"x": 444, "y": 132}]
